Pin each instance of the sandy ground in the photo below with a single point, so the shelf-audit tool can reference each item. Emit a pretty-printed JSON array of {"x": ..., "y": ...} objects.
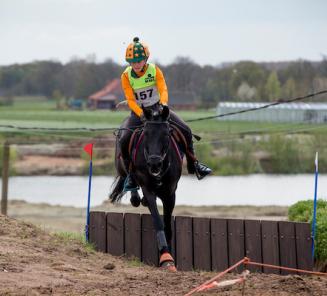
[
  {"x": 37, "y": 257},
  {"x": 45, "y": 165},
  {"x": 71, "y": 219},
  {"x": 34, "y": 262}
]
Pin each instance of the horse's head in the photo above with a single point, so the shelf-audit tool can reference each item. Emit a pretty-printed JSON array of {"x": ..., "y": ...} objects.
[{"x": 156, "y": 138}]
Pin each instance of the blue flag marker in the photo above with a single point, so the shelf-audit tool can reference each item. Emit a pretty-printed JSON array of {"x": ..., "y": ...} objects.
[
  {"x": 314, "y": 208},
  {"x": 88, "y": 148}
]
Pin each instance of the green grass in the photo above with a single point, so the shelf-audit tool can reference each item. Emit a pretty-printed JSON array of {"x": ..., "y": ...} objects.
[
  {"x": 70, "y": 237},
  {"x": 40, "y": 112},
  {"x": 134, "y": 262},
  {"x": 290, "y": 146},
  {"x": 44, "y": 114}
]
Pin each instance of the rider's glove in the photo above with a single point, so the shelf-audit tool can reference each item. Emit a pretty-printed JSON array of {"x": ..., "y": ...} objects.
[
  {"x": 142, "y": 118},
  {"x": 160, "y": 108}
]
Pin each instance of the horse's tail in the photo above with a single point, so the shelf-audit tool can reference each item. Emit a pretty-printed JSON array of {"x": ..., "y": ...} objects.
[{"x": 117, "y": 189}]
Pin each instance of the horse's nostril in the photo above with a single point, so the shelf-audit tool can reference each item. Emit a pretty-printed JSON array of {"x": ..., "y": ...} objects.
[{"x": 155, "y": 172}]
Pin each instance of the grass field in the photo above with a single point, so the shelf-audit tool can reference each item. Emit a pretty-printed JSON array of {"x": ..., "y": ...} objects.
[
  {"x": 43, "y": 113},
  {"x": 228, "y": 147}
]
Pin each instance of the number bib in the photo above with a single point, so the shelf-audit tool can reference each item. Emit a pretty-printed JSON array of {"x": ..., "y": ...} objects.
[
  {"x": 145, "y": 87},
  {"x": 147, "y": 96}
]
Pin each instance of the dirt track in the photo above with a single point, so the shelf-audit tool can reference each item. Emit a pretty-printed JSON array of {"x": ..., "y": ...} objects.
[{"x": 33, "y": 262}]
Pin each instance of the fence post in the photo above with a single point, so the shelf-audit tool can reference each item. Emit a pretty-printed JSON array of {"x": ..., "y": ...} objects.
[{"x": 5, "y": 177}]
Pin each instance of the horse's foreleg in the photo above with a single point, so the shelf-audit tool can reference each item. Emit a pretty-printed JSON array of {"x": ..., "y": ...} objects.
[
  {"x": 168, "y": 207},
  {"x": 157, "y": 222}
]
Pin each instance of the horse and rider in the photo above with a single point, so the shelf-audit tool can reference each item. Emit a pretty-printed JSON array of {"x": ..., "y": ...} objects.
[{"x": 150, "y": 144}]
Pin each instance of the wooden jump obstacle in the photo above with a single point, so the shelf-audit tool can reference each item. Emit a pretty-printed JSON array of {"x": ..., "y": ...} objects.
[{"x": 210, "y": 244}]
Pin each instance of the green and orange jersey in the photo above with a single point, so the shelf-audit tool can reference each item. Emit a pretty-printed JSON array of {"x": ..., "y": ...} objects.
[{"x": 129, "y": 92}]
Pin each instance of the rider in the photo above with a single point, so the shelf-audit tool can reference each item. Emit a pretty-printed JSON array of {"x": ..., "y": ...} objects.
[{"x": 144, "y": 85}]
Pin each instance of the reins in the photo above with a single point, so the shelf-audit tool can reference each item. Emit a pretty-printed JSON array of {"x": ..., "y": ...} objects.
[{"x": 140, "y": 130}]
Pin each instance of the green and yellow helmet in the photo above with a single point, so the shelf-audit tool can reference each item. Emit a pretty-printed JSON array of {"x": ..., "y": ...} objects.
[{"x": 136, "y": 51}]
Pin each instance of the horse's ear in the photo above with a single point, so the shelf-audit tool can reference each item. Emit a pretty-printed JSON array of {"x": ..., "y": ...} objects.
[
  {"x": 165, "y": 112},
  {"x": 147, "y": 113}
]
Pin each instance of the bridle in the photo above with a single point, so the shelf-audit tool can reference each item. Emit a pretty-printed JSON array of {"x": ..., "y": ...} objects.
[{"x": 161, "y": 157}]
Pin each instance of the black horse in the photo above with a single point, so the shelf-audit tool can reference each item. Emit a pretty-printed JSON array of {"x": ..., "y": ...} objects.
[{"x": 157, "y": 167}]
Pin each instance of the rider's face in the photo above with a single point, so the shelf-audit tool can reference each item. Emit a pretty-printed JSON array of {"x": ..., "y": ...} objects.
[{"x": 137, "y": 67}]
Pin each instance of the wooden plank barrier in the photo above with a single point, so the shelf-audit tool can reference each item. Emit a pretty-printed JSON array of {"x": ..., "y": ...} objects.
[
  {"x": 132, "y": 234},
  {"x": 235, "y": 242},
  {"x": 287, "y": 245},
  {"x": 253, "y": 248},
  {"x": 115, "y": 234},
  {"x": 150, "y": 252},
  {"x": 270, "y": 245},
  {"x": 219, "y": 244},
  {"x": 201, "y": 245},
  {"x": 303, "y": 245},
  {"x": 184, "y": 243},
  {"x": 209, "y": 244},
  {"x": 98, "y": 231}
]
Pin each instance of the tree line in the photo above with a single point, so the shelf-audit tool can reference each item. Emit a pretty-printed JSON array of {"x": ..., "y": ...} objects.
[{"x": 240, "y": 81}]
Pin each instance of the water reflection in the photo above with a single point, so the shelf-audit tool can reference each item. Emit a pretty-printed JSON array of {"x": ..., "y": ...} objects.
[{"x": 235, "y": 190}]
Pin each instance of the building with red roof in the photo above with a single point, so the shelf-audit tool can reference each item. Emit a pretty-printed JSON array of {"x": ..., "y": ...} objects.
[{"x": 107, "y": 97}]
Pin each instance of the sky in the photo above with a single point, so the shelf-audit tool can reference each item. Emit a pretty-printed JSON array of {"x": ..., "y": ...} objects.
[{"x": 207, "y": 31}]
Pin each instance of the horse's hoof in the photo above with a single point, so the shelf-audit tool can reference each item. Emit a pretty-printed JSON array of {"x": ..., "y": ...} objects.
[
  {"x": 135, "y": 199},
  {"x": 144, "y": 202},
  {"x": 169, "y": 265},
  {"x": 167, "y": 262}
]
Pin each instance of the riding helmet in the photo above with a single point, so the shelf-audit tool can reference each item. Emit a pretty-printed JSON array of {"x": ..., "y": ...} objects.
[{"x": 137, "y": 51}]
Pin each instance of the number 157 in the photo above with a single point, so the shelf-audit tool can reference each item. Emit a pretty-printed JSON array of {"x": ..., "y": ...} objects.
[{"x": 144, "y": 94}]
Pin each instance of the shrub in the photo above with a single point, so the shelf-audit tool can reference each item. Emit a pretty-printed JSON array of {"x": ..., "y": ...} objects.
[
  {"x": 285, "y": 155},
  {"x": 203, "y": 152},
  {"x": 238, "y": 161},
  {"x": 302, "y": 211}
]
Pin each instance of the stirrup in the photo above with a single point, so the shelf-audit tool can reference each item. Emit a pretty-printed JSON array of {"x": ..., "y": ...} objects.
[
  {"x": 128, "y": 183},
  {"x": 201, "y": 170}
]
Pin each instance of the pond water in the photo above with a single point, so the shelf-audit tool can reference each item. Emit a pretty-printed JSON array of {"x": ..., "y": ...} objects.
[{"x": 231, "y": 190}]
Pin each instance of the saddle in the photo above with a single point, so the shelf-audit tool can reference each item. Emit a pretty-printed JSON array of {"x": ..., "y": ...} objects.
[{"x": 177, "y": 137}]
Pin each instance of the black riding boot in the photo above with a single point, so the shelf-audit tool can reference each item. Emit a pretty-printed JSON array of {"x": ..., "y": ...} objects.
[{"x": 194, "y": 166}]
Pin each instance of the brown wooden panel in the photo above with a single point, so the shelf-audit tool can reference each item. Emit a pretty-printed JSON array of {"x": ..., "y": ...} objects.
[
  {"x": 303, "y": 246},
  {"x": 270, "y": 245},
  {"x": 253, "y": 243},
  {"x": 184, "y": 244},
  {"x": 132, "y": 235},
  {"x": 201, "y": 244},
  {"x": 235, "y": 241},
  {"x": 115, "y": 233},
  {"x": 287, "y": 245},
  {"x": 150, "y": 252},
  {"x": 219, "y": 246},
  {"x": 97, "y": 231}
]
